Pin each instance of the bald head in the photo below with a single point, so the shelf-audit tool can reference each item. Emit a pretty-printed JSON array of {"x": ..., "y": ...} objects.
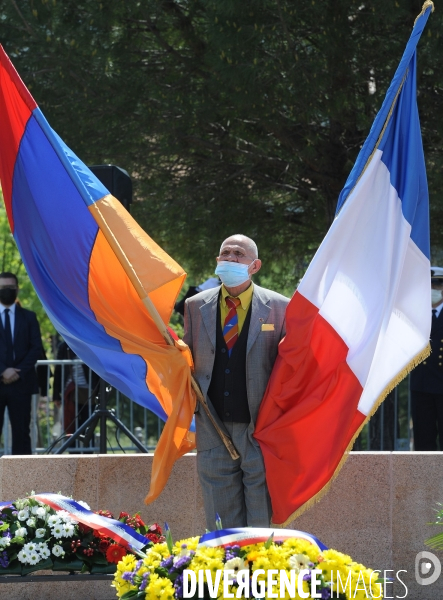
[{"x": 241, "y": 241}]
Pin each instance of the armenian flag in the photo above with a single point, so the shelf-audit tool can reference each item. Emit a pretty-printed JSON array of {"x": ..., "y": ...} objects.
[{"x": 94, "y": 269}]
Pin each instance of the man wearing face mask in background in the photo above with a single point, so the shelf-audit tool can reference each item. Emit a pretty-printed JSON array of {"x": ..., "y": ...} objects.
[
  {"x": 233, "y": 331},
  {"x": 20, "y": 348},
  {"x": 427, "y": 378}
]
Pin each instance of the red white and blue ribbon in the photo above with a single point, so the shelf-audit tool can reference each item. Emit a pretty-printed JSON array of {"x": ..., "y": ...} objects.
[
  {"x": 116, "y": 530},
  {"x": 245, "y": 536}
]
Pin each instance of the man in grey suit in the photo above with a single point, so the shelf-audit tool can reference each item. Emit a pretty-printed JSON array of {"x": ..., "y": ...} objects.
[{"x": 233, "y": 332}]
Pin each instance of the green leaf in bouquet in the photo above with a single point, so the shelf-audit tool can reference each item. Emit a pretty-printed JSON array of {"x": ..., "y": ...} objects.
[
  {"x": 435, "y": 542},
  {"x": 4, "y": 527},
  {"x": 108, "y": 568},
  {"x": 83, "y": 558},
  {"x": 14, "y": 568},
  {"x": 18, "y": 540},
  {"x": 99, "y": 559},
  {"x": 161, "y": 571},
  {"x": 130, "y": 594},
  {"x": 168, "y": 536},
  {"x": 85, "y": 568},
  {"x": 43, "y": 565},
  {"x": 70, "y": 564},
  {"x": 269, "y": 541}
]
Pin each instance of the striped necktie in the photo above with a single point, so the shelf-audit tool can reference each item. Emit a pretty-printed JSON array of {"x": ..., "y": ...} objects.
[{"x": 230, "y": 328}]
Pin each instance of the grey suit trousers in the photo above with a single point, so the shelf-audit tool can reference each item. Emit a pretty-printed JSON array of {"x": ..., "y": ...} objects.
[{"x": 235, "y": 489}]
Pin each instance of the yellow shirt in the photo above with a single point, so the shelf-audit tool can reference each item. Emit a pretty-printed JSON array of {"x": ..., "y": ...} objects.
[{"x": 242, "y": 309}]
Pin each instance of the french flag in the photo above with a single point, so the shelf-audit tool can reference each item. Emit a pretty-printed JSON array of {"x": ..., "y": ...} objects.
[{"x": 360, "y": 319}]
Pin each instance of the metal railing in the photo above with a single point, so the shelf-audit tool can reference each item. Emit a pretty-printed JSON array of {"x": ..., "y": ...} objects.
[
  {"x": 48, "y": 420},
  {"x": 390, "y": 428}
]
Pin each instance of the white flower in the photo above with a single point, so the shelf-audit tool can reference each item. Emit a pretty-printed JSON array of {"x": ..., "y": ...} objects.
[
  {"x": 53, "y": 520},
  {"x": 23, "y": 556},
  {"x": 40, "y": 512},
  {"x": 40, "y": 533},
  {"x": 297, "y": 562},
  {"x": 84, "y": 504},
  {"x": 30, "y": 547},
  {"x": 58, "y": 550},
  {"x": 63, "y": 514},
  {"x": 21, "y": 532},
  {"x": 68, "y": 530},
  {"x": 235, "y": 564},
  {"x": 66, "y": 517},
  {"x": 44, "y": 550},
  {"x": 34, "y": 558},
  {"x": 5, "y": 541},
  {"x": 30, "y": 522},
  {"x": 34, "y": 509},
  {"x": 21, "y": 504},
  {"x": 23, "y": 515},
  {"x": 57, "y": 531}
]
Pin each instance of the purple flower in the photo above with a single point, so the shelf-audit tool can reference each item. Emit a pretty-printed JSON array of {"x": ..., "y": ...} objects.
[
  {"x": 167, "y": 562},
  {"x": 144, "y": 582},
  {"x": 325, "y": 593},
  {"x": 307, "y": 577},
  {"x": 129, "y": 576},
  {"x": 181, "y": 563},
  {"x": 178, "y": 585},
  {"x": 138, "y": 565},
  {"x": 4, "y": 562}
]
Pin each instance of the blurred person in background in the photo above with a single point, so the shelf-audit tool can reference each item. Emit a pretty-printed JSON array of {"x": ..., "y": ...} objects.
[
  {"x": 76, "y": 384},
  {"x": 427, "y": 379}
]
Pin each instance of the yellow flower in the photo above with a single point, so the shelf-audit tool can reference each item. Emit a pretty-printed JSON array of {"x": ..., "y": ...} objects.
[
  {"x": 159, "y": 588},
  {"x": 191, "y": 544},
  {"x": 207, "y": 553},
  {"x": 127, "y": 563},
  {"x": 252, "y": 555},
  {"x": 301, "y": 546}
]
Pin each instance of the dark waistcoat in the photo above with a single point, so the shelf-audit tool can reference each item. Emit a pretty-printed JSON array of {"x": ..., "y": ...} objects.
[{"x": 227, "y": 390}]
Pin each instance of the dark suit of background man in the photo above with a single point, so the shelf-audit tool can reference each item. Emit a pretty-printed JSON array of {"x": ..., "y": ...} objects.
[
  {"x": 427, "y": 378},
  {"x": 20, "y": 348},
  {"x": 233, "y": 331}
]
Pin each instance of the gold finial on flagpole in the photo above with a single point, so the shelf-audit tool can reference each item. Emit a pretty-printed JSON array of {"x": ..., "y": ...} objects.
[{"x": 426, "y": 5}]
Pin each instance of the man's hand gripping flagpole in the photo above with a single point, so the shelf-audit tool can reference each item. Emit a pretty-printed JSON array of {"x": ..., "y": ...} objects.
[{"x": 169, "y": 340}]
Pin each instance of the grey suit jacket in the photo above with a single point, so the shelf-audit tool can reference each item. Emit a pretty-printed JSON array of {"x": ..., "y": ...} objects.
[{"x": 200, "y": 333}]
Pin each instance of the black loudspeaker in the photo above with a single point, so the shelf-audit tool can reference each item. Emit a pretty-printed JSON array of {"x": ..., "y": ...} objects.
[{"x": 116, "y": 180}]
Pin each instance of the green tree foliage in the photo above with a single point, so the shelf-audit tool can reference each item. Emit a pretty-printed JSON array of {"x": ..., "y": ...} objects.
[
  {"x": 230, "y": 116},
  {"x": 11, "y": 261}
]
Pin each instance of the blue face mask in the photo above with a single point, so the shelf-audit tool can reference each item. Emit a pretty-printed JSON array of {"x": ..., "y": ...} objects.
[{"x": 232, "y": 274}]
